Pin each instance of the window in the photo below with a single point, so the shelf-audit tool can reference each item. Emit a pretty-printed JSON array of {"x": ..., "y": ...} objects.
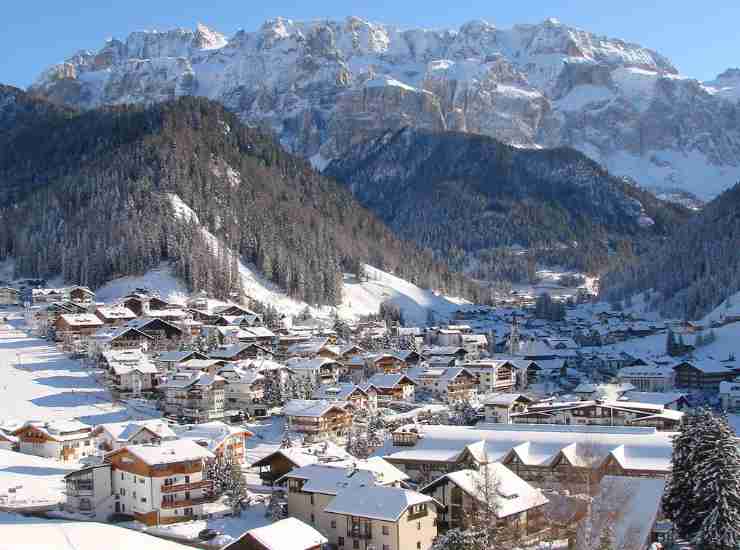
[
  {"x": 418, "y": 526},
  {"x": 141, "y": 480},
  {"x": 333, "y": 524},
  {"x": 355, "y": 543},
  {"x": 340, "y": 541},
  {"x": 418, "y": 545},
  {"x": 313, "y": 519},
  {"x": 143, "y": 499},
  {"x": 386, "y": 531},
  {"x": 122, "y": 491},
  {"x": 386, "y": 547},
  {"x": 187, "y": 479},
  {"x": 311, "y": 499},
  {"x": 122, "y": 476},
  {"x": 133, "y": 494},
  {"x": 188, "y": 511}
]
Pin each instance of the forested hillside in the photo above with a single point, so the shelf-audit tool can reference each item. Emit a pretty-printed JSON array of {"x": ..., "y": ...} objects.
[
  {"x": 695, "y": 270},
  {"x": 478, "y": 202},
  {"x": 89, "y": 195}
]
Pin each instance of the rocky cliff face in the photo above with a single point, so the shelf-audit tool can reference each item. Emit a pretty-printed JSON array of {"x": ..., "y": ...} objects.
[{"x": 324, "y": 86}]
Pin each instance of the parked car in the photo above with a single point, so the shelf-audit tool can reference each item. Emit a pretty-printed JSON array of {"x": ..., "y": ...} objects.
[{"x": 208, "y": 534}]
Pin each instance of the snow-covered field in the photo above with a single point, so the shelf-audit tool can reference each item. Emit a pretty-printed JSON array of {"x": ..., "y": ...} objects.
[
  {"x": 29, "y": 481},
  {"x": 40, "y": 383},
  {"x": 170, "y": 288}
]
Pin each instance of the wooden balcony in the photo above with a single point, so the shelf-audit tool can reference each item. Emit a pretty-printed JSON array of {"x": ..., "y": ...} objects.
[
  {"x": 205, "y": 484},
  {"x": 168, "y": 505}
]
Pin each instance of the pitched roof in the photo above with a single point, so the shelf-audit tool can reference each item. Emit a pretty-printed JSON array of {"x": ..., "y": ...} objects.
[
  {"x": 513, "y": 494},
  {"x": 310, "y": 407},
  {"x": 382, "y": 503},
  {"x": 169, "y": 452},
  {"x": 286, "y": 534},
  {"x": 385, "y": 381}
]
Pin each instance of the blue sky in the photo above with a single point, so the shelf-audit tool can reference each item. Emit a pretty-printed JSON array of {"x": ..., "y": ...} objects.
[{"x": 701, "y": 39}]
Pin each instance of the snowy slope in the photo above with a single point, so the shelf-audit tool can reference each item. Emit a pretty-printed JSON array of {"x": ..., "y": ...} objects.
[
  {"x": 161, "y": 280},
  {"x": 362, "y": 298},
  {"x": 38, "y": 481},
  {"x": 359, "y": 298}
]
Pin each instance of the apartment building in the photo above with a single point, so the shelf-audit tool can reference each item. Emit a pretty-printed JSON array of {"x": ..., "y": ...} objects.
[
  {"x": 160, "y": 484},
  {"x": 199, "y": 397}
]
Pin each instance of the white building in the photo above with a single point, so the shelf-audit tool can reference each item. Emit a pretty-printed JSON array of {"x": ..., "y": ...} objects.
[
  {"x": 67, "y": 440},
  {"x": 649, "y": 378},
  {"x": 729, "y": 395}
]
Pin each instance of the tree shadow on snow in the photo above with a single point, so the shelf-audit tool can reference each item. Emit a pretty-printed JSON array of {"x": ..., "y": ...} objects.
[{"x": 73, "y": 399}]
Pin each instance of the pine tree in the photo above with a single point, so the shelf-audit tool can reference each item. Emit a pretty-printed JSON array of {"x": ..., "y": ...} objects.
[
  {"x": 236, "y": 487},
  {"x": 606, "y": 538}
]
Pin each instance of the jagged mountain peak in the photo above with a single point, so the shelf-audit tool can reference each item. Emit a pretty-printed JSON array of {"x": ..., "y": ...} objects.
[{"x": 324, "y": 85}]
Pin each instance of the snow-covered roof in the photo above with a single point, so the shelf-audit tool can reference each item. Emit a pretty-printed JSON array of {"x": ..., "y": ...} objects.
[
  {"x": 504, "y": 399},
  {"x": 286, "y": 534},
  {"x": 311, "y": 364},
  {"x": 229, "y": 352},
  {"x": 513, "y": 494},
  {"x": 210, "y": 435},
  {"x": 196, "y": 379},
  {"x": 386, "y": 381},
  {"x": 634, "y": 502},
  {"x": 128, "y": 361},
  {"x": 328, "y": 479},
  {"x": 339, "y": 392},
  {"x": 315, "y": 345},
  {"x": 641, "y": 448},
  {"x": 653, "y": 398},
  {"x": 81, "y": 320},
  {"x": 323, "y": 452},
  {"x": 124, "y": 431},
  {"x": 381, "y": 503},
  {"x": 175, "y": 356},
  {"x": 311, "y": 407},
  {"x": 116, "y": 312},
  {"x": 169, "y": 452},
  {"x": 707, "y": 366}
]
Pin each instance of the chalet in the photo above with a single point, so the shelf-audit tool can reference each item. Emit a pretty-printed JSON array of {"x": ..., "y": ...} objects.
[
  {"x": 244, "y": 386},
  {"x": 158, "y": 329},
  {"x": 350, "y": 351},
  {"x": 258, "y": 335},
  {"x": 315, "y": 347},
  {"x": 199, "y": 397},
  {"x": 286, "y": 533},
  {"x": 130, "y": 371},
  {"x": 142, "y": 304},
  {"x": 219, "y": 438},
  {"x": 318, "y": 419},
  {"x": 114, "y": 315},
  {"x": 115, "y": 435},
  {"x": 235, "y": 310},
  {"x": 282, "y": 461},
  {"x": 80, "y": 324},
  {"x": 393, "y": 387},
  {"x": 493, "y": 375},
  {"x": 602, "y": 413},
  {"x": 46, "y": 295},
  {"x": 453, "y": 384},
  {"x": 240, "y": 352},
  {"x": 9, "y": 296},
  {"x": 456, "y": 352},
  {"x": 668, "y": 400},
  {"x": 80, "y": 295},
  {"x": 168, "y": 359},
  {"x": 160, "y": 484},
  {"x": 500, "y": 406},
  {"x": 121, "y": 338},
  {"x": 357, "y": 397},
  {"x": 208, "y": 366},
  {"x": 62, "y": 440},
  {"x": 519, "y": 507},
  {"x": 408, "y": 356},
  {"x": 319, "y": 370},
  {"x": 386, "y": 363},
  {"x": 704, "y": 375},
  {"x": 545, "y": 455}
]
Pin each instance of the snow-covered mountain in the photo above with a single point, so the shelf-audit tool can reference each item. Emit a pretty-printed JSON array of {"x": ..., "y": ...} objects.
[{"x": 326, "y": 85}]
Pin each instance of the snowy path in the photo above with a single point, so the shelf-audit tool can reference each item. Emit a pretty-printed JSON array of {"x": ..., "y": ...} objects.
[{"x": 37, "y": 382}]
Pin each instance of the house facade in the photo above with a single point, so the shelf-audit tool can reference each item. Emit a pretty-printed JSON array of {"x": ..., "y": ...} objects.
[{"x": 67, "y": 441}]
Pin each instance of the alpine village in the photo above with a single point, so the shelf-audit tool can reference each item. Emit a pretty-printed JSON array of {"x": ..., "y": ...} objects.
[{"x": 333, "y": 284}]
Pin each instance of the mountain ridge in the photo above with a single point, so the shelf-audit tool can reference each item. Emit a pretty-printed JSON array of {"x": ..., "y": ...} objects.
[
  {"x": 325, "y": 85},
  {"x": 468, "y": 197}
]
